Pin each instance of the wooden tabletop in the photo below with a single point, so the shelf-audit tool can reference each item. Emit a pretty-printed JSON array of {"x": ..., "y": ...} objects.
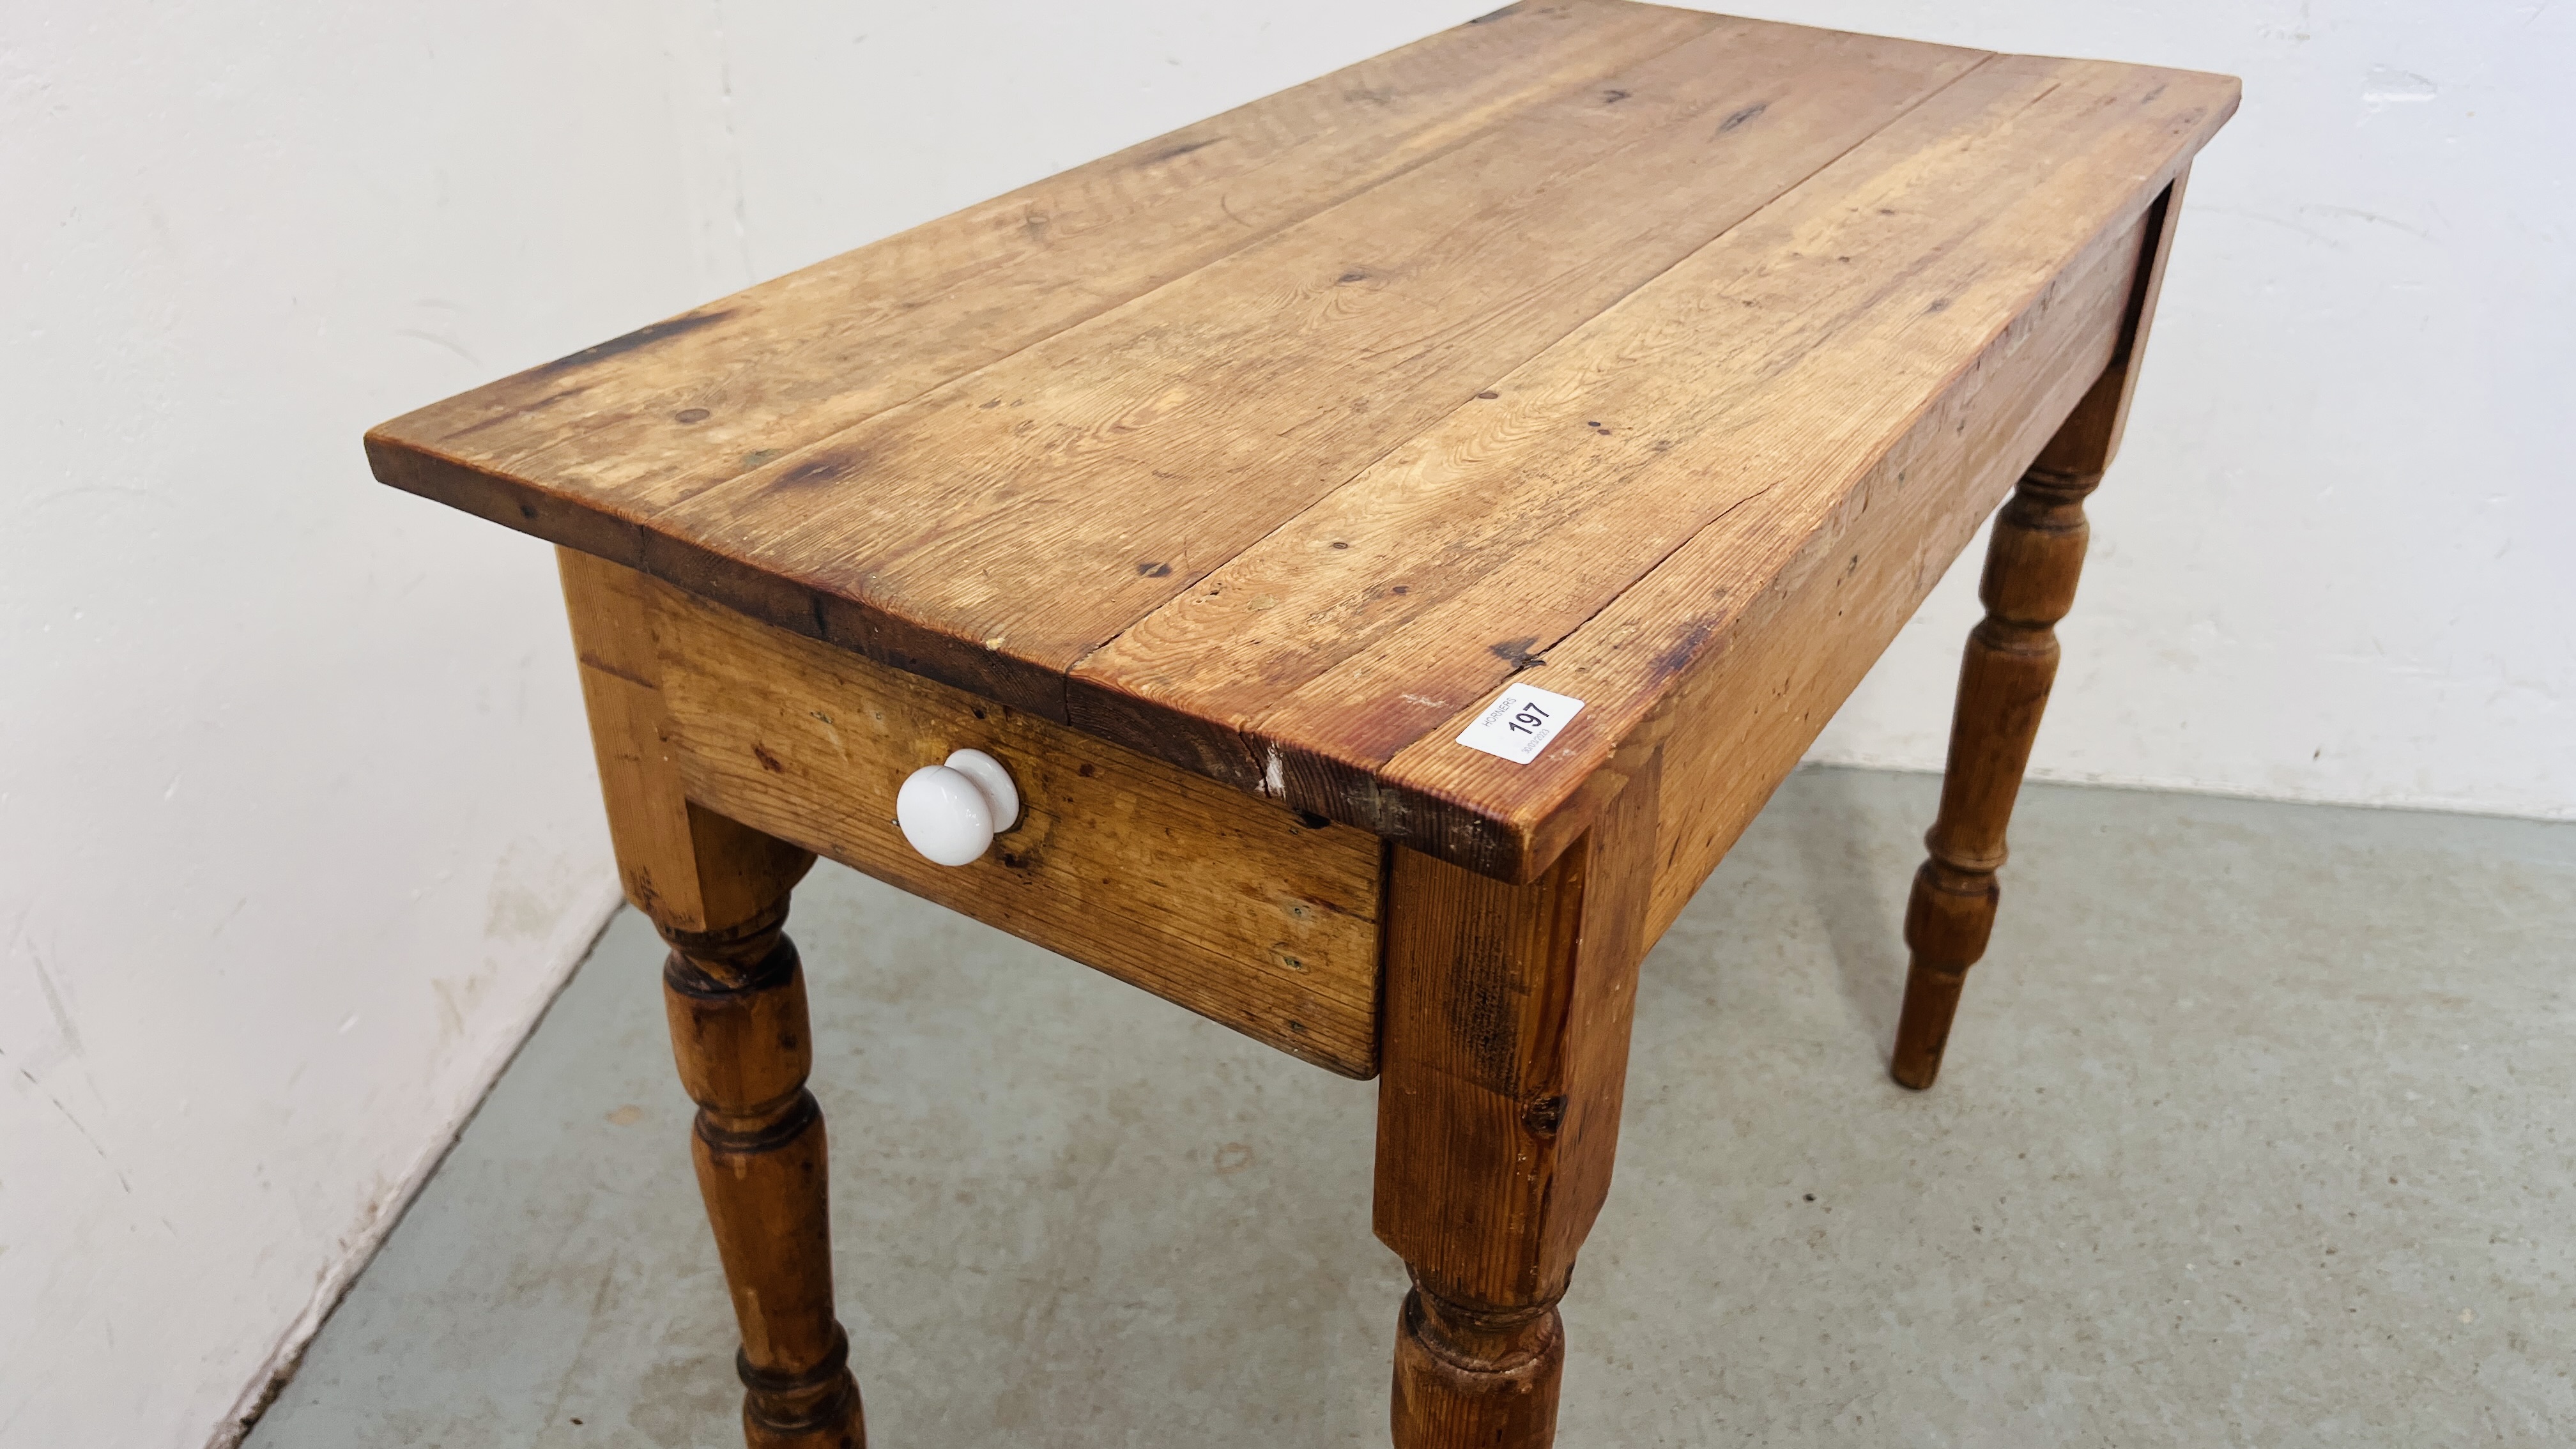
[{"x": 1277, "y": 446}]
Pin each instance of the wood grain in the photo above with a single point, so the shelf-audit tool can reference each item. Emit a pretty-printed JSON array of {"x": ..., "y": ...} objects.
[
  {"x": 1574, "y": 341},
  {"x": 1921, "y": 411},
  {"x": 1230, "y": 906},
  {"x": 2034, "y": 558},
  {"x": 581, "y": 449},
  {"x": 717, "y": 890},
  {"x": 687, "y": 868},
  {"x": 1806, "y": 640},
  {"x": 1507, "y": 1024},
  {"x": 744, "y": 1044},
  {"x": 1517, "y": 490},
  {"x": 994, "y": 531}
]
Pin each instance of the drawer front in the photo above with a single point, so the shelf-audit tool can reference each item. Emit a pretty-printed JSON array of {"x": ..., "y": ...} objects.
[{"x": 1225, "y": 904}]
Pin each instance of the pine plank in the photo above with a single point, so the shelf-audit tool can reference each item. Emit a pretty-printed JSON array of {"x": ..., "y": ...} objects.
[
  {"x": 584, "y": 447},
  {"x": 992, "y": 533},
  {"x": 1566, "y": 344},
  {"x": 1520, "y": 491},
  {"x": 1887, "y": 447}
]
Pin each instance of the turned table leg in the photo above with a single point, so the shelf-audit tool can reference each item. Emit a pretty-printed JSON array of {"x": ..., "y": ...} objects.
[
  {"x": 718, "y": 891},
  {"x": 1506, "y": 1050},
  {"x": 2029, "y": 584},
  {"x": 2032, "y": 560},
  {"x": 738, "y": 1029}
]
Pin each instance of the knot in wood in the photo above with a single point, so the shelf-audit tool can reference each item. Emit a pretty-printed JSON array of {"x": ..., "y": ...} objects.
[{"x": 1544, "y": 1116}]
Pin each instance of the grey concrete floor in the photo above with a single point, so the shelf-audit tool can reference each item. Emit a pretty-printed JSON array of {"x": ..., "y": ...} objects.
[{"x": 2259, "y": 1128}]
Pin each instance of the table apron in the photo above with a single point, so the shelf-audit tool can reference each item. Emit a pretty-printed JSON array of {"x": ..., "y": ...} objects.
[
  {"x": 1738, "y": 725},
  {"x": 1232, "y": 906}
]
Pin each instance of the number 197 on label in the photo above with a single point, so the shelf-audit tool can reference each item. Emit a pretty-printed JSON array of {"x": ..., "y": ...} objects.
[{"x": 1519, "y": 723}]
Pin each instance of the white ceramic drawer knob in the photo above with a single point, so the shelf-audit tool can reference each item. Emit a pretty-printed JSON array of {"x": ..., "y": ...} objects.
[{"x": 951, "y": 812}]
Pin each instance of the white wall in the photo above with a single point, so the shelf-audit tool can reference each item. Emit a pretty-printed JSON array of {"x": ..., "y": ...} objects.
[
  {"x": 2336, "y": 559},
  {"x": 297, "y": 828},
  {"x": 295, "y": 821}
]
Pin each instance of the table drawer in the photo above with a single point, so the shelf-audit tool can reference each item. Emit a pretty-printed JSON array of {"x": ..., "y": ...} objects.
[{"x": 1229, "y": 905}]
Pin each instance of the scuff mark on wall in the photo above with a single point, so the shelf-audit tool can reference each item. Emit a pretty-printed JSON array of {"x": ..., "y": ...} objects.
[
  {"x": 63, "y": 1022},
  {"x": 2385, "y": 85}
]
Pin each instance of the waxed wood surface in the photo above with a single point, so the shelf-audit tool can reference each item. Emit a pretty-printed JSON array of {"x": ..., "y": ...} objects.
[
  {"x": 1552, "y": 346},
  {"x": 1507, "y": 1020},
  {"x": 744, "y": 1043},
  {"x": 1231, "y": 906}
]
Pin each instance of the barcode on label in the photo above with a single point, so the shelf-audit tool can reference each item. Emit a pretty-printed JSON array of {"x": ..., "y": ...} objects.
[{"x": 1520, "y": 723}]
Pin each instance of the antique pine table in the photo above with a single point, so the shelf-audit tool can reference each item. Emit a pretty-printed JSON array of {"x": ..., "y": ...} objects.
[{"x": 1597, "y": 382}]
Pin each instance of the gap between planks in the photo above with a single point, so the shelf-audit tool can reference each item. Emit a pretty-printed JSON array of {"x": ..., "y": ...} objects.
[{"x": 1266, "y": 753}]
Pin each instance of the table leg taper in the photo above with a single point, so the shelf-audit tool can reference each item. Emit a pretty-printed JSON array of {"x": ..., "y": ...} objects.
[
  {"x": 740, "y": 1034},
  {"x": 2031, "y": 567},
  {"x": 2033, "y": 559}
]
